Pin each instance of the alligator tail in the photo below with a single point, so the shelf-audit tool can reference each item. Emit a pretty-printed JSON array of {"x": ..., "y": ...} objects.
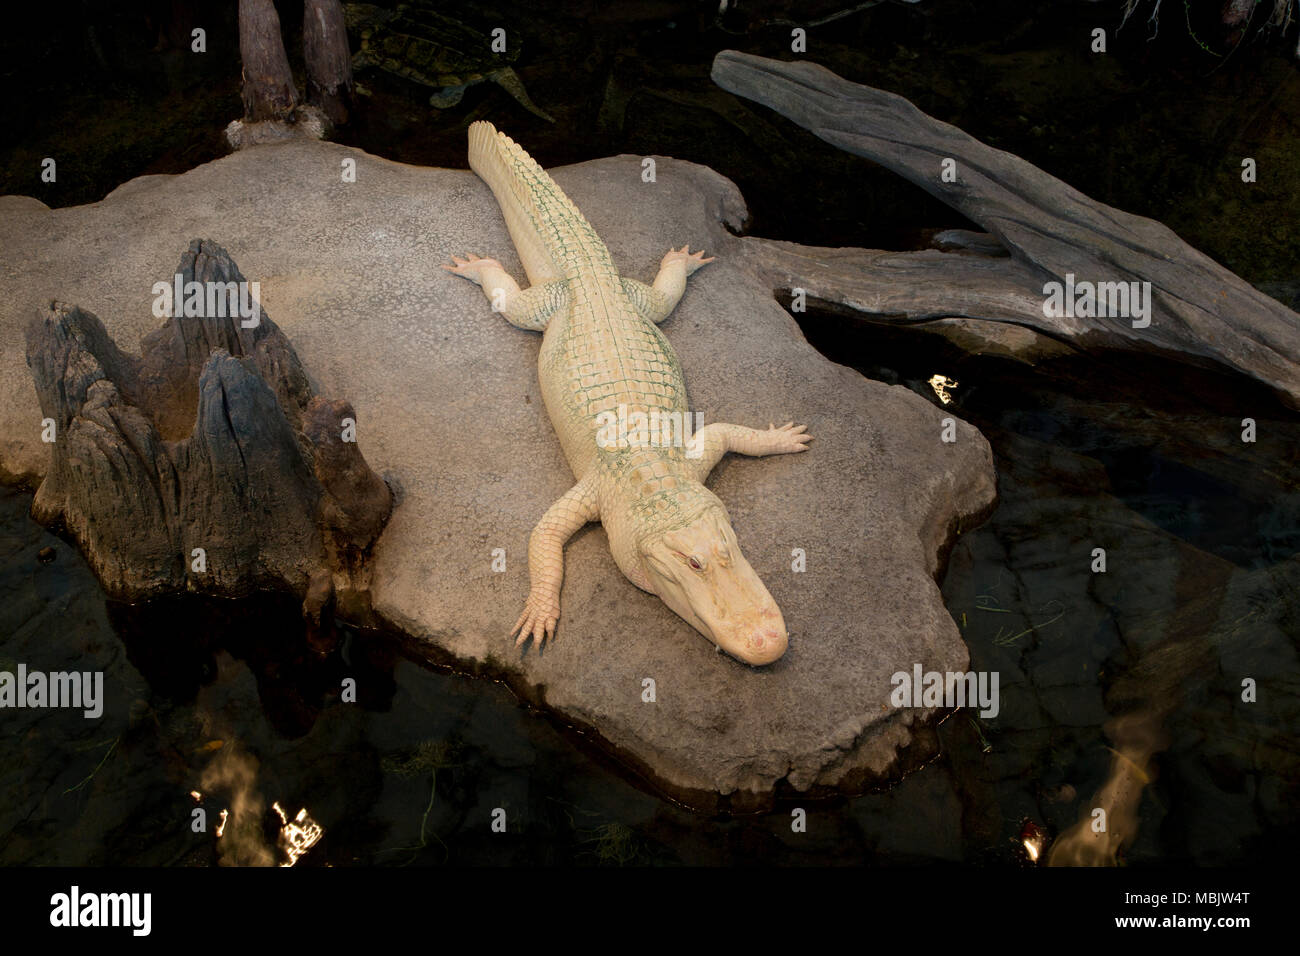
[{"x": 548, "y": 231}]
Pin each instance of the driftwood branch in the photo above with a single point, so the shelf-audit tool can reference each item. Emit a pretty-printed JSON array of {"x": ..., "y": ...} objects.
[
  {"x": 904, "y": 286},
  {"x": 1199, "y": 309},
  {"x": 982, "y": 304}
]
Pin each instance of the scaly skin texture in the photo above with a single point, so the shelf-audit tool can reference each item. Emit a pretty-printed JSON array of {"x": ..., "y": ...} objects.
[{"x": 603, "y": 355}]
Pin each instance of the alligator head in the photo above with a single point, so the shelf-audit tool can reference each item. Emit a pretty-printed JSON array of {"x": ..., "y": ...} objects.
[{"x": 699, "y": 571}]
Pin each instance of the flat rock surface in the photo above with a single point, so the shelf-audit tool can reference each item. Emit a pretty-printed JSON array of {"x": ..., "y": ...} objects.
[{"x": 448, "y": 409}]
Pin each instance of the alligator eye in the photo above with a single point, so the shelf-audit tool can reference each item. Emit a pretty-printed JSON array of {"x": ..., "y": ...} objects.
[{"x": 694, "y": 564}]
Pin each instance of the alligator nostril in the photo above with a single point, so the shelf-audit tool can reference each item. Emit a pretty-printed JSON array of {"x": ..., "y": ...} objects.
[
  {"x": 764, "y": 646},
  {"x": 761, "y": 639}
]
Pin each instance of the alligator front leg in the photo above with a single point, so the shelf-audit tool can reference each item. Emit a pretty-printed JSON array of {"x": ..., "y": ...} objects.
[
  {"x": 523, "y": 308},
  {"x": 546, "y": 560},
  {"x": 656, "y": 302},
  {"x": 713, "y": 441}
]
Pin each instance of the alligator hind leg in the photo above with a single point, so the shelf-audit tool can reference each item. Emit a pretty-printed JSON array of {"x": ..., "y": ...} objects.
[
  {"x": 524, "y": 308},
  {"x": 656, "y": 302},
  {"x": 576, "y": 508},
  {"x": 713, "y": 441}
]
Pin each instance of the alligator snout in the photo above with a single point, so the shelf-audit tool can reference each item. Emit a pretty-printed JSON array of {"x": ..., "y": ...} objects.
[
  {"x": 756, "y": 642},
  {"x": 765, "y": 646}
]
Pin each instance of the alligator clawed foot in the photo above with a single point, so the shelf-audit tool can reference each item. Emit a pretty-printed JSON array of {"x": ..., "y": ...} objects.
[
  {"x": 692, "y": 260},
  {"x": 537, "y": 621},
  {"x": 471, "y": 266},
  {"x": 788, "y": 438}
]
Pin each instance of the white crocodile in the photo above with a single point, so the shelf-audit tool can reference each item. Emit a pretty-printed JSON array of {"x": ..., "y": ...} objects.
[{"x": 602, "y": 353}]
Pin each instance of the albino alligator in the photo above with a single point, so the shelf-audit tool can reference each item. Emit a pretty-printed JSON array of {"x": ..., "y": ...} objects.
[{"x": 602, "y": 351}]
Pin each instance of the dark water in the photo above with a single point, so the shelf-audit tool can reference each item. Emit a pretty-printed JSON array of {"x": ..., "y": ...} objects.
[
  {"x": 1144, "y": 459},
  {"x": 1201, "y": 533}
]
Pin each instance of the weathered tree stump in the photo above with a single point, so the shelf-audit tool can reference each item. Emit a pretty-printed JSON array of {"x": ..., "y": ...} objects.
[{"x": 206, "y": 464}]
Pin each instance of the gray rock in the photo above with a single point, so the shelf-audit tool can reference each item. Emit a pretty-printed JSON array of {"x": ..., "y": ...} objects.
[{"x": 451, "y": 414}]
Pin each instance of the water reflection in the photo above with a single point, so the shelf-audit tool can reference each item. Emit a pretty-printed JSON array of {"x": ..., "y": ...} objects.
[{"x": 1121, "y": 669}]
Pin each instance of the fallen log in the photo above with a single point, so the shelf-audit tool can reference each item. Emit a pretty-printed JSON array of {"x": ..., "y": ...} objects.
[{"x": 1198, "y": 310}]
